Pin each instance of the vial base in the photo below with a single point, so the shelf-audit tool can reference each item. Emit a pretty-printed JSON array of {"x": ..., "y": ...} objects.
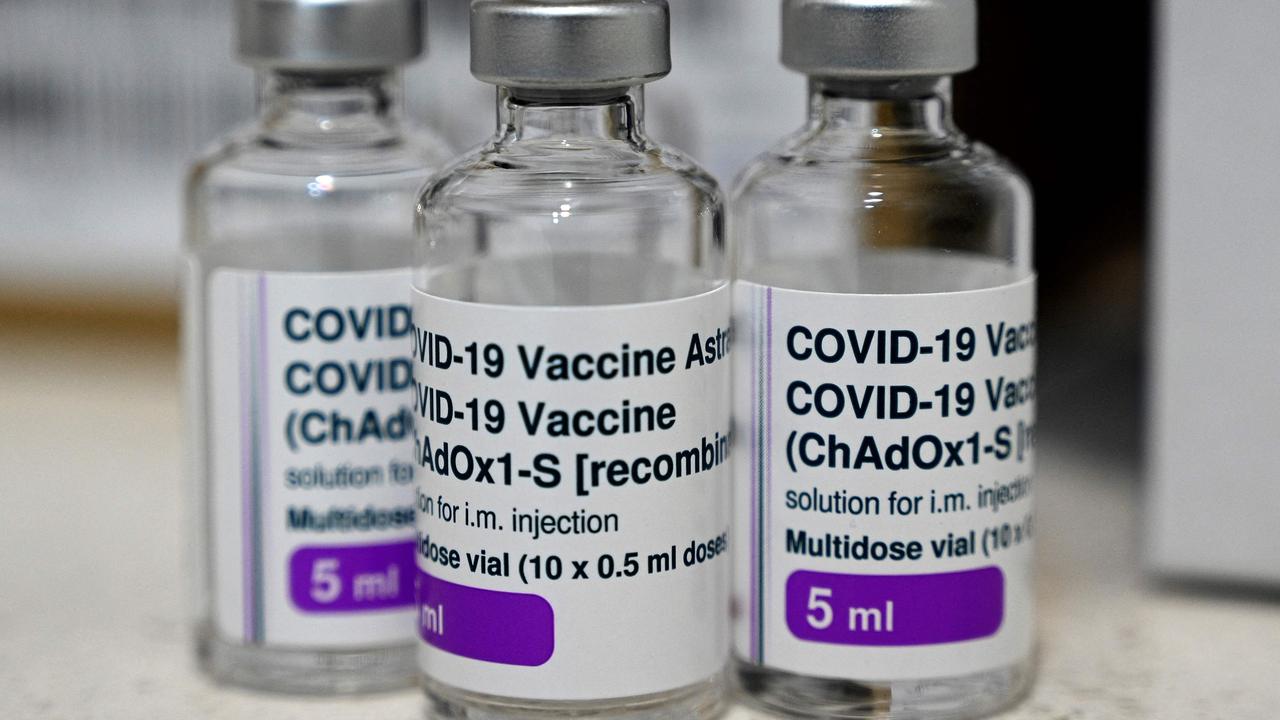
[
  {"x": 700, "y": 701},
  {"x": 954, "y": 698},
  {"x": 307, "y": 671}
]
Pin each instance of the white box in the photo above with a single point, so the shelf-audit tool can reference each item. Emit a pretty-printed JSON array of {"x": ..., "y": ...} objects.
[{"x": 1214, "y": 396}]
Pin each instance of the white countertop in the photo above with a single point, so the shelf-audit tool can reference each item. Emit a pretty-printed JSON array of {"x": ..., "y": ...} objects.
[{"x": 92, "y": 593}]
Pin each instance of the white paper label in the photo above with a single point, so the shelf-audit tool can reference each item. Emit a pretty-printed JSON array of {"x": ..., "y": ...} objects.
[
  {"x": 573, "y": 512},
  {"x": 884, "y": 489},
  {"x": 310, "y": 396}
]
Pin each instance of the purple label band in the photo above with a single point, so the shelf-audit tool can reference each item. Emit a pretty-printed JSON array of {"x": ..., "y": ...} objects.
[
  {"x": 499, "y": 627},
  {"x": 352, "y": 578},
  {"x": 888, "y": 610}
]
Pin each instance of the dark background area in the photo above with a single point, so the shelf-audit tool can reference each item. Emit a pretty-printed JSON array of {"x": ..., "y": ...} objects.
[{"x": 1067, "y": 99}]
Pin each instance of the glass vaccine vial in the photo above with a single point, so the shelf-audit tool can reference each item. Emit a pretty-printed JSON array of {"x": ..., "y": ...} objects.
[
  {"x": 297, "y": 334},
  {"x": 572, "y": 309},
  {"x": 884, "y": 305}
]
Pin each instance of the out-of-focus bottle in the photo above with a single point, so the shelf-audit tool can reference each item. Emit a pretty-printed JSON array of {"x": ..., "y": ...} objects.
[
  {"x": 884, "y": 384},
  {"x": 297, "y": 342}
]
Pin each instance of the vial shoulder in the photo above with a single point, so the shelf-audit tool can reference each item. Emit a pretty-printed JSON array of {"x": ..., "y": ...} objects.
[
  {"x": 251, "y": 203},
  {"x": 248, "y": 155},
  {"x": 989, "y": 162},
  {"x": 533, "y": 173},
  {"x": 800, "y": 168}
]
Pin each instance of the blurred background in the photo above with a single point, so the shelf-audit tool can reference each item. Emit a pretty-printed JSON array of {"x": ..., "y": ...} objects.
[
  {"x": 1145, "y": 131},
  {"x": 103, "y": 104}
]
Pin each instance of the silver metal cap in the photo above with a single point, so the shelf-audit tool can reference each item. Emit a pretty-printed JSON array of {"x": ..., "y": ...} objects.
[
  {"x": 879, "y": 38},
  {"x": 329, "y": 34},
  {"x": 570, "y": 44}
]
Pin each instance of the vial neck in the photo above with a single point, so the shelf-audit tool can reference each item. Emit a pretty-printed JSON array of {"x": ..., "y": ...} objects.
[
  {"x": 616, "y": 115},
  {"x": 357, "y": 107},
  {"x": 909, "y": 114}
]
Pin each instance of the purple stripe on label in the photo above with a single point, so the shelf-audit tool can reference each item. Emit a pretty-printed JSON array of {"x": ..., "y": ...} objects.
[
  {"x": 262, "y": 470},
  {"x": 248, "y": 435},
  {"x": 499, "y": 627},
  {"x": 352, "y": 578},
  {"x": 887, "y": 610},
  {"x": 766, "y": 583},
  {"x": 754, "y": 618}
]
